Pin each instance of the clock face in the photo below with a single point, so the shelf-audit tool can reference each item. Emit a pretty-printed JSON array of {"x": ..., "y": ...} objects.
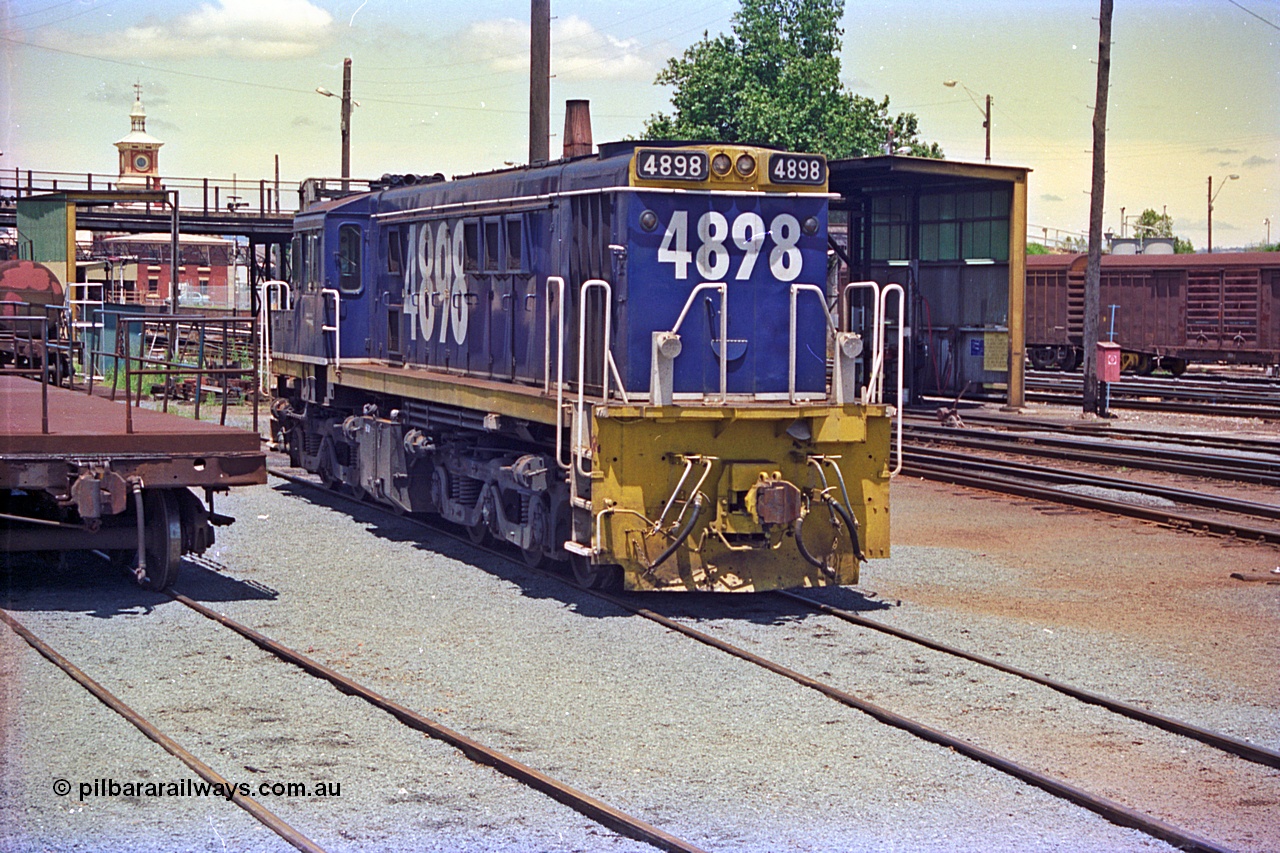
[{"x": 141, "y": 162}]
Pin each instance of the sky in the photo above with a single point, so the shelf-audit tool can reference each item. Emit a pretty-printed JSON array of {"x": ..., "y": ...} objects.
[{"x": 229, "y": 85}]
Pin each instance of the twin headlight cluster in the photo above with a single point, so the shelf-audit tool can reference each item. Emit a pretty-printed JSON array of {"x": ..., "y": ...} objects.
[{"x": 722, "y": 163}]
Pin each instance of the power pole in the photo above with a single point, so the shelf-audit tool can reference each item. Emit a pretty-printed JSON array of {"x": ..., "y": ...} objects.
[
  {"x": 346, "y": 122},
  {"x": 986, "y": 123},
  {"x": 1093, "y": 270},
  {"x": 539, "y": 81}
]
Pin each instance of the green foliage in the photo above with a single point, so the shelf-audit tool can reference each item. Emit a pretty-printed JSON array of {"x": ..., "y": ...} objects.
[
  {"x": 1152, "y": 224},
  {"x": 1037, "y": 249},
  {"x": 776, "y": 81},
  {"x": 1268, "y": 247}
]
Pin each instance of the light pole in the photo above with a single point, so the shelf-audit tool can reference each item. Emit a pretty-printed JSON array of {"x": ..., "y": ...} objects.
[
  {"x": 347, "y": 104},
  {"x": 1267, "y": 222},
  {"x": 1212, "y": 196},
  {"x": 986, "y": 112}
]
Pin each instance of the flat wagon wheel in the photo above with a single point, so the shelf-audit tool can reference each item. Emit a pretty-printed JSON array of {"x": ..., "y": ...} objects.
[{"x": 163, "y": 537}]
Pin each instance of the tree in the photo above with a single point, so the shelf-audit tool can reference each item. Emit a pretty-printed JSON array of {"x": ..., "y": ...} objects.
[
  {"x": 776, "y": 81},
  {"x": 1152, "y": 224}
]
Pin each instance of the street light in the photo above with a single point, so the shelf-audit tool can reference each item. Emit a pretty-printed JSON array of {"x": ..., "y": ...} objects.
[
  {"x": 347, "y": 104},
  {"x": 1212, "y": 196},
  {"x": 986, "y": 113}
]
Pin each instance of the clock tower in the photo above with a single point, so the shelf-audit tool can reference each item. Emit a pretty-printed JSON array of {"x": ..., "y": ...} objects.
[{"x": 139, "y": 151}]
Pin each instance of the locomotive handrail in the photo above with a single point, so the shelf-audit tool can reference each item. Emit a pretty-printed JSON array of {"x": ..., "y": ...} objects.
[
  {"x": 791, "y": 348},
  {"x": 336, "y": 327},
  {"x": 546, "y": 364},
  {"x": 723, "y": 289},
  {"x": 579, "y": 421},
  {"x": 846, "y": 301},
  {"x": 902, "y": 339},
  {"x": 264, "y": 326}
]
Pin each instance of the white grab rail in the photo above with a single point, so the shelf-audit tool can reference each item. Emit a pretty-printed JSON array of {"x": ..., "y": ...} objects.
[
  {"x": 606, "y": 366},
  {"x": 546, "y": 365},
  {"x": 336, "y": 327},
  {"x": 902, "y": 339},
  {"x": 847, "y": 297},
  {"x": 791, "y": 348},
  {"x": 723, "y": 290},
  {"x": 264, "y": 327}
]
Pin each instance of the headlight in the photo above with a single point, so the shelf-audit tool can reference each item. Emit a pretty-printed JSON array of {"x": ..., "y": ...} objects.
[
  {"x": 746, "y": 165},
  {"x": 809, "y": 226},
  {"x": 721, "y": 164},
  {"x": 648, "y": 220}
]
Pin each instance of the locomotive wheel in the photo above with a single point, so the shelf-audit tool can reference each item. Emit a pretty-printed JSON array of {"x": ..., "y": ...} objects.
[
  {"x": 533, "y": 557},
  {"x": 587, "y": 576},
  {"x": 479, "y": 533},
  {"x": 1176, "y": 366},
  {"x": 163, "y": 537},
  {"x": 1146, "y": 365}
]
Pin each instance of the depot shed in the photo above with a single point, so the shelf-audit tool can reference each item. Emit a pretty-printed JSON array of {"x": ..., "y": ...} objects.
[{"x": 954, "y": 236}]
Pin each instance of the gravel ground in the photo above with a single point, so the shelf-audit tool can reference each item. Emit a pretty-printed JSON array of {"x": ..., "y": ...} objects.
[{"x": 707, "y": 747}]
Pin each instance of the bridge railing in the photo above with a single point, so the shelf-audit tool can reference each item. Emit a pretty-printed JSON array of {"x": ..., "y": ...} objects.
[{"x": 232, "y": 196}]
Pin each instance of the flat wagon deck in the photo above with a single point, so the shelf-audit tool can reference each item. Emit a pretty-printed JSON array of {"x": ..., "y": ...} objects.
[{"x": 79, "y": 472}]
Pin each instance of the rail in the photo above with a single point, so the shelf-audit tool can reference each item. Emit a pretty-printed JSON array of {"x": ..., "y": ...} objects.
[
  {"x": 846, "y": 298},
  {"x": 878, "y": 368},
  {"x": 21, "y": 347},
  {"x": 793, "y": 334},
  {"x": 581, "y": 448},
  {"x": 234, "y": 196},
  {"x": 546, "y": 365},
  {"x": 723, "y": 290},
  {"x": 177, "y": 341},
  {"x": 336, "y": 328},
  {"x": 284, "y": 301}
]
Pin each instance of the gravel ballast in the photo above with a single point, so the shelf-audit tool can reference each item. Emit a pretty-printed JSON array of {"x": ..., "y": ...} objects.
[{"x": 707, "y": 747}]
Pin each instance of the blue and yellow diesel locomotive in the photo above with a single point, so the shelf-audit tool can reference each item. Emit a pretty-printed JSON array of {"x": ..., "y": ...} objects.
[{"x": 626, "y": 361}]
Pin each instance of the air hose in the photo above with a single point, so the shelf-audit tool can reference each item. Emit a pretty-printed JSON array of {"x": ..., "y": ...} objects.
[
  {"x": 696, "y": 503},
  {"x": 837, "y": 509}
]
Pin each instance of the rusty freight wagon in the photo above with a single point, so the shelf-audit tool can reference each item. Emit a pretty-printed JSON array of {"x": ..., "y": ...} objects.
[{"x": 1169, "y": 310}]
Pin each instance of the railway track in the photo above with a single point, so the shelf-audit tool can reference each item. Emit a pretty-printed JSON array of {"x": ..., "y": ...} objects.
[
  {"x": 259, "y": 812},
  {"x": 1226, "y": 397},
  {"x": 602, "y": 813},
  {"x": 594, "y": 809},
  {"x": 1215, "y": 458},
  {"x": 1110, "y": 809}
]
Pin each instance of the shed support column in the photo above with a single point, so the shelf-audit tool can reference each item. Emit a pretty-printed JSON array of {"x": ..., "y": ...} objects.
[{"x": 1017, "y": 293}]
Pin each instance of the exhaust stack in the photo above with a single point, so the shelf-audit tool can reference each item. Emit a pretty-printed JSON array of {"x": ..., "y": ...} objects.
[{"x": 577, "y": 129}]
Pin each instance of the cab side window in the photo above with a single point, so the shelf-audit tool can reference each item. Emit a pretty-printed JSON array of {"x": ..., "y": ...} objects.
[{"x": 349, "y": 240}]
